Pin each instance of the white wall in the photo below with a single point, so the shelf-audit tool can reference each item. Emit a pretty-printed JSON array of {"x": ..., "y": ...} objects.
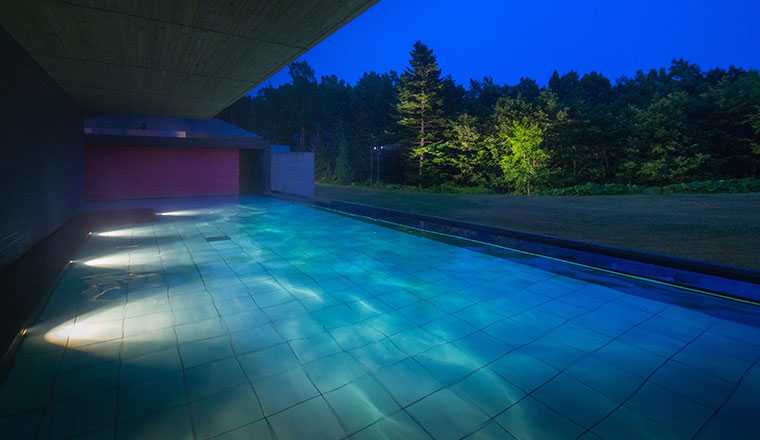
[{"x": 292, "y": 173}]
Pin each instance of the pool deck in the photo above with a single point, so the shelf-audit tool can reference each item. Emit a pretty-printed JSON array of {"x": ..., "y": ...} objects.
[
  {"x": 275, "y": 320},
  {"x": 714, "y": 228}
]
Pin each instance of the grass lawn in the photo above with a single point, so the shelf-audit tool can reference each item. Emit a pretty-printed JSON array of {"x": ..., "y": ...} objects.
[{"x": 717, "y": 228}]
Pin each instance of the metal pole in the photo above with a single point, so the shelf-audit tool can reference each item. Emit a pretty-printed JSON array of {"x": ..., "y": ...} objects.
[{"x": 371, "y": 166}]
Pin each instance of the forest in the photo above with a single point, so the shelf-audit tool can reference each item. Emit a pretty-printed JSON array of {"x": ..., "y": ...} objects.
[{"x": 672, "y": 125}]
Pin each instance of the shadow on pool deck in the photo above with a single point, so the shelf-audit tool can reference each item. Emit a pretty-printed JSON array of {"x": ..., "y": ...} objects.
[{"x": 715, "y": 228}]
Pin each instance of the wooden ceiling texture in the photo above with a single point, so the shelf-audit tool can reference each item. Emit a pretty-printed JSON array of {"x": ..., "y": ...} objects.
[{"x": 188, "y": 58}]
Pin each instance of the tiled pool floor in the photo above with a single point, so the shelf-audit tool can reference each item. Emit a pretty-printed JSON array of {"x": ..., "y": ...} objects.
[{"x": 270, "y": 319}]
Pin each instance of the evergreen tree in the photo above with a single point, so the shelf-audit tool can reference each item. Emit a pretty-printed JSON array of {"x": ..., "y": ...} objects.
[
  {"x": 468, "y": 153},
  {"x": 662, "y": 126},
  {"x": 343, "y": 173},
  {"x": 304, "y": 98},
  {"x": 420, "y": 104}
]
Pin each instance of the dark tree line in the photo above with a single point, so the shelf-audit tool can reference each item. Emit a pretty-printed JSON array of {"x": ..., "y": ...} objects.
[{"x": 671, "y": 125}]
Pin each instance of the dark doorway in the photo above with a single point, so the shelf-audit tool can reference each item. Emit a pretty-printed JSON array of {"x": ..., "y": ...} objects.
[{"x": 253, "y": 171}]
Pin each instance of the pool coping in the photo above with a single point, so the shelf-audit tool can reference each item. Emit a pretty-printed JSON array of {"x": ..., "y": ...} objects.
[{"x": 723, "y": 280}]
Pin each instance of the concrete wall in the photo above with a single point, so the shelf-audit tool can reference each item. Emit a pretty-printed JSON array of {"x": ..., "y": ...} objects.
[
  {"x": 292, "y": 173},
  {"x": 42, "y": 153}
]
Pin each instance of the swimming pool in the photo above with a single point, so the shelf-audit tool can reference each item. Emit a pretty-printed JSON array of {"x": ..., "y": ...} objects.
[{"x": 276, "y": 319}]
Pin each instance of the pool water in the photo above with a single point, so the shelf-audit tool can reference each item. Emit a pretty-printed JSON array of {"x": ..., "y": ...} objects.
[{"x": 273, "y": 319}]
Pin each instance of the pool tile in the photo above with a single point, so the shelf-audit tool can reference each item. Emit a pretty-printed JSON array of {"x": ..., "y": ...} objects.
[
  {"x": 310, "y": 419},
  {"x": 422, "y": 312},
  {"x": 361, "y": 403},
  {"x": 449, "y": 328},
  {"x": 192, "y": 300},
  {"x": 314, "y": 347},
  {"x": 145, "y": 367},
  {"x": 335, "y": 316},
  {"x": 200, "y": 330},
  {"x": 225, "y": 411},
  {"x": 258, "y": 430},
  {"x": 653, "y": 342},
  {"x": 269, "y": 361},
  {"x": 333, "y": 371},
  {"x": 378, "y": 354},
  {"x": 92, "y": 381},
  {"x": 680, "y": 329},
  {"x": 148, "y": 342},
  {"x": 298, "y": 328},
  {"x": 390, "y": 324},
  {"x": 515, "y": 332},
  {"x": 610, "y": 380},
  {"x": 728, "y": 425},
  {"x": 482, "y": 348},
  {"x": 162, "y": 391},
  {"x": 710, "y": 391},
  {"x": 577, "y": 337},
  {"x": 397, "y": 426},
  {"x": 561, "y": 309},
  {"x": 626, "y": 424},
  {"x": 629, "y": 358},
  {"x": 711, "y": 361},
  {"x": 448, "y": 364},
  {"x": 144, "y": 306},
  {"x": 407, "y": 381},
  {"x": 245, "y": 321},
  {"x": 270, "y": 296},
  {"x": 238, "y": 304},
  {"x": 675, "y": 412},
  {"x": 738, "y": 331},
  {"x": 255, "y": 339},
  {"x": 200, "y": 352},
  {"x": 523, "y": 370},
  {"x": 415, "y": 341},
  {"x": 612, "y": 319},
  {"x": 211, "y": 378},
  {"x": 284, "y": 390},
  {"x": 397, "y": 298},
  {"x": 288, "y": 310},
  {"x": 194, "y": 314},
  {"x": 86, "y": 333},
  {"x": 147, "y": 323},
  {"x": 574, "y": 400},
  {"x": 174, "y": 423},
  {"x": 451, "y": 303},
  {"x": 492, "y": 431},
  {"x": 559, "y": 356},
  {"x": 488, "y": 391},
  {"x": 531, "y": 419},
  {"x": 446, "y": 416},
  {"x": 479, "y": 315},
  {"x": 355, "y": 336},
  {"x": 70, "y": 418}
]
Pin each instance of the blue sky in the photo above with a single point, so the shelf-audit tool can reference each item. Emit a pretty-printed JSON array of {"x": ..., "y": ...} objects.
[{"x": 509, "y": 39}]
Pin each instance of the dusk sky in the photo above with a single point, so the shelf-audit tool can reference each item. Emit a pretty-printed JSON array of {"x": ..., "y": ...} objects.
[{"x": 508, "y": 39}]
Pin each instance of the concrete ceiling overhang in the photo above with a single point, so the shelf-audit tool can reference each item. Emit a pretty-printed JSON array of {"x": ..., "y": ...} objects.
[{"x": 187, "y": 58}]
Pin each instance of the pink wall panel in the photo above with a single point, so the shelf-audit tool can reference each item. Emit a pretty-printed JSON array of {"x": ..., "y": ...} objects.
[{"x": 141, "y": 172}]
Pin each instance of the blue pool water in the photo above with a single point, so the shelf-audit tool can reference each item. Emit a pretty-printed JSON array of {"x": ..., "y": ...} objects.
[{"x": 273, "y": 319}]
